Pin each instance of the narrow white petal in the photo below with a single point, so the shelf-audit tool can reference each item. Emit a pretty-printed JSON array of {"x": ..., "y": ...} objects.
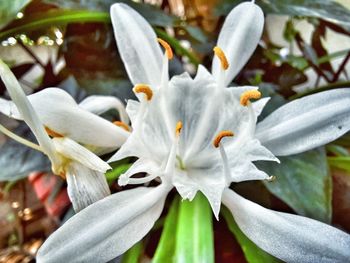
[
  {"x": 107, "y": 228},
  {"x": 85, "y": 186},
  {"x": 238, "y": 38},
  {"x": 74, "y": 151},
  {"x": 27, "y": 111},
  {"x": 306, "y": 123},
  {"x": 288, "y": 237},
  {"x": 9, "y": 109},
  {"x": 99, "y": 104},
  {"x": 137, "y": 45}
]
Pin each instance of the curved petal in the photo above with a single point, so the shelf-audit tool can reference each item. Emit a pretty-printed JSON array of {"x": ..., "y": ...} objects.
[
  {"x": 85, "y": 186},
  {"x": 99, "y": 104},
  {"x": 27, "y": 111},
  {"x": 288, "y": 237},
  {"x": 239, "y": 38},
  {"x": 107, "y": 228},
  {"x": 137, "y": 45},
  {"x": 306, "y": 123},
  {"x": 132, "y": 108},
  {"x": 74, "y": 151},
  {"x": 58, "y": 111}
]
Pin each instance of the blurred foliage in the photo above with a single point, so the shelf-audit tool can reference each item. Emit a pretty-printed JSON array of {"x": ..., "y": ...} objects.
[{"x": 79, "y": 33}]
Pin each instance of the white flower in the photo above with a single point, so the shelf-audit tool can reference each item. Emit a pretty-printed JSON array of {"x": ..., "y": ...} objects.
[
  {"x": 64, "y": 121},
  {"x": 195, "y": 134}
]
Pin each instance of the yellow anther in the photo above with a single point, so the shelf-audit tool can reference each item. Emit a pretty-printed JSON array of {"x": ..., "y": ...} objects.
[
  {"x": 221, "y": 55},
  {"x": 142, "y": 88},
  {"x": 248, "y": 95},
  {"x": 52, "y": 133},
  {"x": 167, "y": 47},
  {"x": 220, "y": 136},
  {"x": 178, "y": 128},
  {"x": 122, "y": 125}
]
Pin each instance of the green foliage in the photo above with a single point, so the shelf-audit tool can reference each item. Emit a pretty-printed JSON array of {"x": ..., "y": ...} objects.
[
  {"x": 303, "y": 182},
  {"x": 252, "y": 252},
  {"x": 133, "y": 254},
  {"x": 9, "y": 10}
]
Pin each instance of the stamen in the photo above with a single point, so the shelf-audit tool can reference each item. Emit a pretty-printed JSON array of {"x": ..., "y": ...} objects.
[
  {"x": 248, "y": 95},
  {"x": 52, "y": 133},
  {"x": 122, "y": 125},
  {"x": 19, "y": 139},
  {"x": 178, "y": 128},
  {"x": 220, "y": 136},
  {"x": 142, "y": 88},
  {"x": 221, "y": 55},
  {"x": 62, "y": 175},
  {"x": 167, "y": 47}
]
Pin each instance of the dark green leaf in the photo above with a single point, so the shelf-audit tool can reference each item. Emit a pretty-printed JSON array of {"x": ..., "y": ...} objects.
[
  {"x": 9, "y": 10},
  {"x": 252, "y": 252},
  {"x": 114, "y": 174},
  {"x": 194, "y": 233},
  {"x": 17, "y": 160},
  {"x": 166, "y": 246},
  {"x": 303, "y": 182}
]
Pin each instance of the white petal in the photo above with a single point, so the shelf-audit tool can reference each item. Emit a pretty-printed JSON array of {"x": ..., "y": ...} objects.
[
  {"x": 27, "y": 111},
  {"x": 211, "y": 182},
  {"x": 259, "y": 105},
  {"x": 9, "y": 109},
  {"x": 288, "y": 237},
  {"x": 58, "y": 111},
  {"x": 306, "y": 123},
  {"x": 105, "y": 229},
  {"x": 137, "y": 45},
  {"x": 85, "y": 186},
  {"x": 74, "y": 151},
  {"x": 239, "y": 37},
  {"x": 99, "y": 104}
]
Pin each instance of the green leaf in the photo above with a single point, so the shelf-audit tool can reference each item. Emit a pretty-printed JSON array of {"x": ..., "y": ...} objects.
[
  {"x": 9, "y": 10},
  {"x": 194, "y": 233},
  {"x": 153, "y": 15},
  {"x": 118, "y": 170},
  {"x": 303, "y": 182},
  {"x": 252, "y": 252},
  {"x": 166, "y": 246},
  {"x": 133, "y": 254},
  {"x": 340, "y": 162},
  {"x": 328, "y": 10}
]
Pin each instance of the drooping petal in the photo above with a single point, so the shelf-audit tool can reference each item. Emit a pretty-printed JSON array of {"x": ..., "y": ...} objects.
[
  {"x": 58, "y": 111},
  {"x": 74, "y": 151},
  {"x": 288, "y": 237},
  {"x": 107, "y": 228},
  {"x": 306, "y": 123},
  {"x": 27, "y": 111},
  {"x": 99, "y": 104},
  {"x": 85, "y": 186},
  {"x": 238, "y": 38},
  {"x": 137, "y": 45}
]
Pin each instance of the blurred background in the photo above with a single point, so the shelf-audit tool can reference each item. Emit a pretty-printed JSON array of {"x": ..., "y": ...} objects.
[{"x": 69, "y": 44}]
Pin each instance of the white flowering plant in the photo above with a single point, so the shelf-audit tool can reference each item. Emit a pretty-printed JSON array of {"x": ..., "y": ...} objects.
[{"x": 197, "y": 142}]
